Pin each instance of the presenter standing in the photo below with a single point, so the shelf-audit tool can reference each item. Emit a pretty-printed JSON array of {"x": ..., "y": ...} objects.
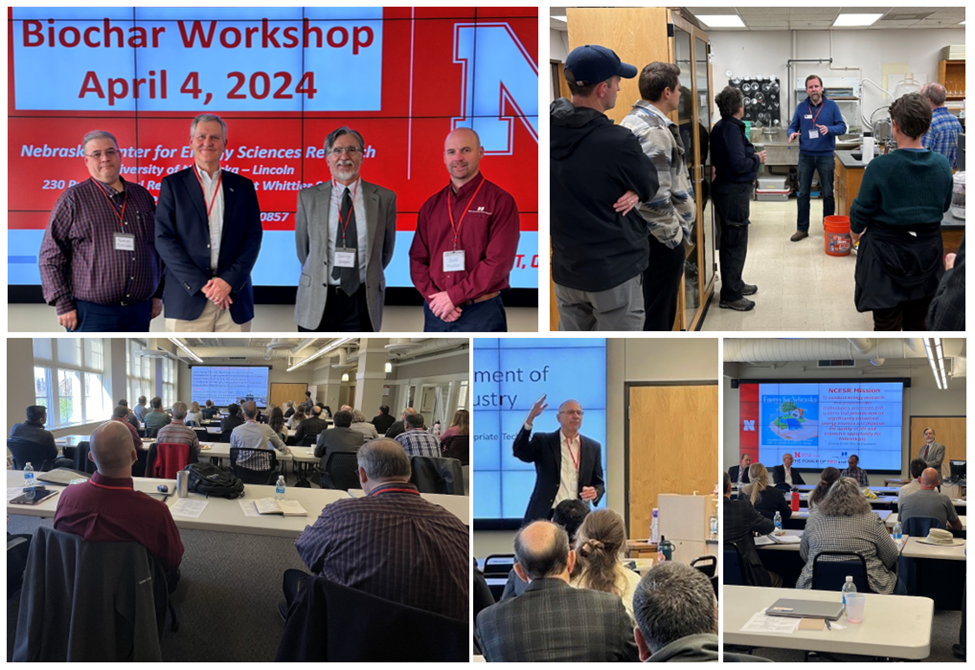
[{"x": 567, "y": 464}]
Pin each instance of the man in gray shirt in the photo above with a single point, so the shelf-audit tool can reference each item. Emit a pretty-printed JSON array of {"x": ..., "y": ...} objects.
[
  {"x": 928, "y": 502},
  {"x": 254, "y": 435},
  {"x": 917, "y": 467},
  {"x": 141, "y": 410}
]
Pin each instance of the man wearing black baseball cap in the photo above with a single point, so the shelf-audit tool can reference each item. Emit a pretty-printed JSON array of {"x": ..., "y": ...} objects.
[{"x": 598, "y": 175}]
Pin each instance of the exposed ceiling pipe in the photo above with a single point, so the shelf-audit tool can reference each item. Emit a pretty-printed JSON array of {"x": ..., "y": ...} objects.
[
  {"x": 238, "y": 352},
  {"x": 301, "y": 346},
  {"x": 774, "y": 351}
]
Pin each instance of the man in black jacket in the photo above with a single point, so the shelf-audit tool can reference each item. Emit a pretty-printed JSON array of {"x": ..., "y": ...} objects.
[
  {"x": 232, "y": 420},
  {"x": 599, "y": 174},
  {"x": 784, "y": 474},
  {"x": 741, "y": 520},
  {"x": 736, "y": 167},
  {"x": 311, "y": 426},
  {"x": 383, "y": 420}
]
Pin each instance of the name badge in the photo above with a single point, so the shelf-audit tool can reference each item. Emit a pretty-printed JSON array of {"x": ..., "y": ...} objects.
[
  {"x": 813, "y": 134},
  {"x": 453, "y": 261},
  {"x": 344, "y": 258},
  {"x": 124, "y": 242},
  {"x": 807, "y": 116}
]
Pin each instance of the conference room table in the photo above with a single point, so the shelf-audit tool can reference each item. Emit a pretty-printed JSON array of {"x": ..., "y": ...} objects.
[
  {"x": 459, "y": 506},
  {"x": 216, "y": 430},
  {"x": 892, "y": 519},
  {"x": 798, "y": 519},
  {"x": 893, "y": 626}
]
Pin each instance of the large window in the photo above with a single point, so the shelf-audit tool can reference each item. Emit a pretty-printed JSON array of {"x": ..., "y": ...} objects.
[
  {"x": 139, "y": 372},
  {"x": 169, "y": 382},
  {"x": 68, "y": 380}
]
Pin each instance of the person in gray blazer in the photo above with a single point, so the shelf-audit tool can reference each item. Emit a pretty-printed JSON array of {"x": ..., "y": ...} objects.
[
  {"x": 933, "y": 452},
  {"x": 339, "y": 438},
  {"x": 345, "y": 231},
  {"x": 552, "y": 621}
]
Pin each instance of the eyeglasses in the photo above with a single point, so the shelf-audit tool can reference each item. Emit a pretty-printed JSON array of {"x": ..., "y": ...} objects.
[
  {"x": 572, "y": 411},
  {"x": 97, "y": 155},
  {"x": 351, "y": 151}
]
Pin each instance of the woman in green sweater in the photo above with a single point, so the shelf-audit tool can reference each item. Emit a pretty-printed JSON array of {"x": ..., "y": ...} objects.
[{"x": 897, "y": 219}]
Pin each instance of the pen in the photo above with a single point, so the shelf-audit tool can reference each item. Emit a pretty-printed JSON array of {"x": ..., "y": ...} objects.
[{"x": 828, "y": 627}]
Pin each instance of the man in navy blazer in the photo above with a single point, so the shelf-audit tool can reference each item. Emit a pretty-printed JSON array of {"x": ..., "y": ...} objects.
[
  {"x": 567, "y": 464},
  {"x": 779, "y": 472},
  {"x": 208, "y": 233}
]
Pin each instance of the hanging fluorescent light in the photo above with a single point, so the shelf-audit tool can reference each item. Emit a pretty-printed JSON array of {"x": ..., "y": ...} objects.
[
  {"x": 185, "y": 349},
  {"x": 321, "y": 352},
  {"x": 935, "y": 351},
  {"x": 389, "y": 367},
  {"x": 345, "y": 376}
]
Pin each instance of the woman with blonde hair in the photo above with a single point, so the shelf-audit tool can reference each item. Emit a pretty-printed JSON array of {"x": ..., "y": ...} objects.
[
  {"x": 194, "y": 415},
  {"x": 599, "y": 546},
  {"x": 297, "y": 418},
  {"x": 766, "y": 499}
]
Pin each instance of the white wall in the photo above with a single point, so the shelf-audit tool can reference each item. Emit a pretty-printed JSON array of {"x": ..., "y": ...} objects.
[{"x": 558, "y": 49}]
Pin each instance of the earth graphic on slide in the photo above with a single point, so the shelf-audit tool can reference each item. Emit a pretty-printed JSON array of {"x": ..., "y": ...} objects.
[{"x": 791, "y": 424}]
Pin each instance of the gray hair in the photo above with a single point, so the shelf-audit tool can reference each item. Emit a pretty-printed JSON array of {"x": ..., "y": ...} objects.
[
  {"x": 179, "y": 410},
  {"x": 120, "y": 412},
  {"x": 844, "y": 499},
  {"x": 358, "y": 416},
  {"x": 936, "y": 93},
  {"x": 551, "y": 559},
  {"x": 97, "y": 135},
  {"x": 673, "y": 601},
  {"x": 205, "y": 118},
  {"x": 339, "y": 132},
  {"x": 384, "y": 458}
]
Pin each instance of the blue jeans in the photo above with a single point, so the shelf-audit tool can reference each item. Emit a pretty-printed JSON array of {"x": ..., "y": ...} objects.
[
  {"x": 480, "y": 317},
  {"x": 824, "y": 166},
  {"x": 132, "y": 318}
]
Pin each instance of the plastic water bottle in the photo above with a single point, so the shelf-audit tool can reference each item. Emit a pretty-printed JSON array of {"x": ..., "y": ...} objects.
[
  {"x": 848, "y": 587},
  {"x": 655, "y": 526},
  {"x": 898, "y": 532},
  {"x": 778, "y": 522},
  {"x": 714, "y": 526},
  {"x": 29, "y": 482},
  {"x": 279, "y": 489}
]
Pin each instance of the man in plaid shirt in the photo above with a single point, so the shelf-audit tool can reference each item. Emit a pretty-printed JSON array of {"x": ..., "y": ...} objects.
[
  {"x": 856, "y": 472},
  {"x": 417, "y": 441},
  {"x": 945, "y": 128}
]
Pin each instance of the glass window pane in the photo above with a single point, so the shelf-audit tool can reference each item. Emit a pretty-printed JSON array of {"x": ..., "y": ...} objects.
[
  {"x": 69, "y": 352},
  {"x": 94, "y": 358},
  {"x": 42, "y": 390},
  {"x": 95, "y": 400},
  {"x": 462, "y": 396},
  {"x": 69, "y": 392},
  {"x": 42, "y": 348}
]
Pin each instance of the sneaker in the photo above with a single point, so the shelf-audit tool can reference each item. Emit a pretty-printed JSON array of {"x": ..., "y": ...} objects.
[
  {"x": 799, "y": 235},
  {"x": 740, "y": 305},
  {"x": 749, "y": 289}
]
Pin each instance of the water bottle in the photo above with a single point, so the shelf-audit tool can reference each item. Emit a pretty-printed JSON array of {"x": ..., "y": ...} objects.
[
  {"x": 665, "y": 550},
  {"x": 655, "y": 526},
  {"x": 848, "y": 587},
  {"x": 795, "y": 500},
  {"x": 898, "y": 531},
  {"x": 279, "y": 489},
  {"x": 714, "y": 526},
  {"x": 778, "y": 522},
  {"x": 29, "y": 482}
]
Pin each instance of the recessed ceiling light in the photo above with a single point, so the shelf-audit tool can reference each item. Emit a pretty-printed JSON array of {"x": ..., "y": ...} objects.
[
  {"x": 853, "y": 20},
  {"x": 721, "y": 20}
]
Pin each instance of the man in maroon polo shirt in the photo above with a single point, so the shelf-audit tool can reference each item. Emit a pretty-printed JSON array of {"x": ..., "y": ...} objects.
[
  {"x": 465, "y": 245},
  {"x": 108, "y": 509}
]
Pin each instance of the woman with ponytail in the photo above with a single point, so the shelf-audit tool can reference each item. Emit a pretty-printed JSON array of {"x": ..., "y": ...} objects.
[
  {"x": 600, "y": 543},
  {"x": 767, "y": 500}
]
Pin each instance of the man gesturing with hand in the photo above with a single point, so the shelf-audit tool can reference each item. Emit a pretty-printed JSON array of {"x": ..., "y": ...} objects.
[{"x": 567, "y": 464}]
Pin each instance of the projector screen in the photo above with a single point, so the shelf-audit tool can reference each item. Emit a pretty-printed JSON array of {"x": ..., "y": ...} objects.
[
  {"x": 821, "y": 424},
  {"x": 509, "y": 376},
  {"x": 282, "y": 78},
  {"x": 224, "y": 384}
]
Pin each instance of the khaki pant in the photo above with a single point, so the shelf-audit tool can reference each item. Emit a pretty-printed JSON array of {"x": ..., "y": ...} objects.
[{"x": 212, "y": 320}]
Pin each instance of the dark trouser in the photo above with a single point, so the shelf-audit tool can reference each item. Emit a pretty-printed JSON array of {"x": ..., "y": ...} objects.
[
  {"x": 344, "y": 313},
  {"x": 95, "y": 318},
  {"x": 661, "y": 284},
  {"x": 292, "y": 580},
  {"x": 732, "y": 203},
  {"x": 907, "y": 315},
  {"x": 824, "y": 166},
  {"x": 476, "y": 317}
]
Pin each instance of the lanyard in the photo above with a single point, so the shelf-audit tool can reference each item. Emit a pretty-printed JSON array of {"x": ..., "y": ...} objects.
[
  {"x": 575, "y": 457},
  {"x": 821, "y": 105},
  {"x": 450, "y": 211},
  {"x": 114, "y": 488},
  {"x": 125, "y": 201},
  {"x": 345, "y": 224},
  {"x": 376, "y": 493},
  {"x": 215, "y": 192}
]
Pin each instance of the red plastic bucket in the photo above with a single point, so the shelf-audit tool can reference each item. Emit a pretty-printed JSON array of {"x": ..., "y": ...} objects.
[{"x": 837, "y": 240}]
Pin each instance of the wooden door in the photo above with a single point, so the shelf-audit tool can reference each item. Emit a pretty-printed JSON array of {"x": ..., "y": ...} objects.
[
  {"x": 672, "y": 445},
  {"x": 281, "y": 393},
  {"x": 948, "y": 430}
]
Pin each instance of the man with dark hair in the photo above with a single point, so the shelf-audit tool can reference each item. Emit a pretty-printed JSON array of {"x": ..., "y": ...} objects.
[
  {"x": 157, "y": 418},
  {"x": 600, "y": 246},
  {"x": 398, "y": 428},
  {"x": 854, "y": 471},
  {"x": 36, "y": 444},
  {"x": 309, "y": 402},
  {"x": 933, "y": 452},
  {"x": 736, "y": 168},
  {"x": 551, "y": 621},
  {"x": 232, "y": 420},
  {"x": 670, "y": 212},
  {"x": 312, "y": 426},
  {"x": 817, "y": 122},
  {"x": 739, "y": 473},
  {"x": 943, "y": 134},
  {"x": 929, "y": 502},
  {"x": 741, "y": 521},
  {"x": 384, "y": 420},
  {"x": 141, "y": 410},
  {"x": 417, "y": 556},
  {"x": 417, "y": 441},
  {"x": 254, "y": 435},
  {"x": 129, "y": 414},
  {"x": 177, "y": 432},
  {"x": 209, "y": 411},
  {"x": 121, "y": 414},
  {"x": 339, "y": 438}
]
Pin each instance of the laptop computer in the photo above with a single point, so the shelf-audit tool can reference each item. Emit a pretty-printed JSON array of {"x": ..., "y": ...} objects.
[
  {"x": 801, "y": 609},
  {"x": 61, "y": 476}
]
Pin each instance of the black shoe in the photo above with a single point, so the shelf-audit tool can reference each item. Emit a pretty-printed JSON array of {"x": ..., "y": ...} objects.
[
  {"x": 740, "y": 305},
  {"x": 958, "y": 651},
  {"x": 799, "y": 235},
  {"x": 749, "y": 289}
]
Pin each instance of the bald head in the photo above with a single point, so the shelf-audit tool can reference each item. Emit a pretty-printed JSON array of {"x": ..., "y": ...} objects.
[
  {"x": 930, "y": 478},
  {"x": 111, "y": 450},
  {"x": 542, "y": 550},
  {"x": 462, "y": 153},
  {"x": 935, "y": 93},
  {"x": 570, "y": 417}
]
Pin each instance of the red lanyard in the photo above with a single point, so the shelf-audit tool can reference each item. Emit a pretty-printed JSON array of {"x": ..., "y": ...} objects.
[
  {"x": 345, "y": 224},
  {"x": 575, "y": 458},
  {"x": 203, "y": 188},
  {"x": 114, "y": 488},
  {"x": 450, "y": 211},
  {"x": 376, "y": 493},
  {"x": 821, "y": 105},
  {"x": 125, "y": 200}
]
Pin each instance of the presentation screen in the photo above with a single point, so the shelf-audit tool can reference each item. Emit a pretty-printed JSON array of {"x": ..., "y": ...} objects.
[
  {"x": 509, "y": 376},
  {"x": 822, "y": 424},
  {"x": 282, "y": 78},
  {"x": 226, "y": 384}
]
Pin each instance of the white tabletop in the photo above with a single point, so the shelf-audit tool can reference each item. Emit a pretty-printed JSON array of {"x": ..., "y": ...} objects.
[
  {"x": 894, "y": 626},
  {"x": 222, "y": 450},
  {"x": 803, "y": 513},
  {"x": 892, "y": 519},
  {"x": 912, "y": 549},
  {"x": 459, "y": 506}
]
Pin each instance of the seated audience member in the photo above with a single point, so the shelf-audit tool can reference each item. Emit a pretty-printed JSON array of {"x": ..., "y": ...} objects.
[
  {"x": 312, "y": 426},
  {"x": 209, "y": 411},
  {"x": 289, "y": 409},
  {"x": 599, "y": 549},
  {"x": 844, "y": 521},
  {"x": 855, "y": 472},
  {"x": 551, "y": 621},
  {"x": 339, "y": 438},
  {"x": 416, "y": 553},
  {"x": 254, "y": 435},
  {"x": 383, "y": 420},
  {"x": 739, "y": 473},
  {"x": 275, "y": 421},
  {"x": 947, "y": 310},
  {"x": 460, "y": 428},
  {"x": 741, "y": 521},
  {"x": 296, "y": 418},
  {"x": 460, "y": 425},
  {"x": 400, "y": 426},
  {"x": 826, "y": 479},
  {"x": 193, "y": 415},
  {"x": 157, "y": 418},
  {"x": 35, "y": 438},
  {"x": 917, "y": 467},
  {"x": 363, "y": 427},
  {"x": 569, "y": 515},
  {"x": 232, "y": 420},
  {"x": 766, "y": 499},
  {"x": 177, "y": 432},
  {"x": 107, "y": 508},
  {"x": 929, "y": 502},
  {"x": 121, "y": 414},
  {"x": 784, "y": 474},
  {"x": 141, "y": 410},
  {"x": 416, "y": 441},
  {"x": 129, "y": 414}
]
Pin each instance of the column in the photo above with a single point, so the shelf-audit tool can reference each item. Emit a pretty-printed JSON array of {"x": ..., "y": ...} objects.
[{"x": 371, "y": 375}]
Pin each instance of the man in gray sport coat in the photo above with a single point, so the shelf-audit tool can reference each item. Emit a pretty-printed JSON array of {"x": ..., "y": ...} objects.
[
  {"x": 932, "y": 452},
  {"x": 345, "y": 231}
]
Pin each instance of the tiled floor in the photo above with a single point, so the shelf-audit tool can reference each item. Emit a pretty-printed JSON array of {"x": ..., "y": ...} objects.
[{"x": 799, "y": 286}]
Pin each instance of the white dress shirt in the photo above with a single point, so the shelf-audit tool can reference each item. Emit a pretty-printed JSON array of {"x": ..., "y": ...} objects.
[
  {"x": 569, "y": 475},
  {"x": 335, "y": 233},
  {"x": 788, "y": 475},
  {"x": 216, "y": 214}
]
